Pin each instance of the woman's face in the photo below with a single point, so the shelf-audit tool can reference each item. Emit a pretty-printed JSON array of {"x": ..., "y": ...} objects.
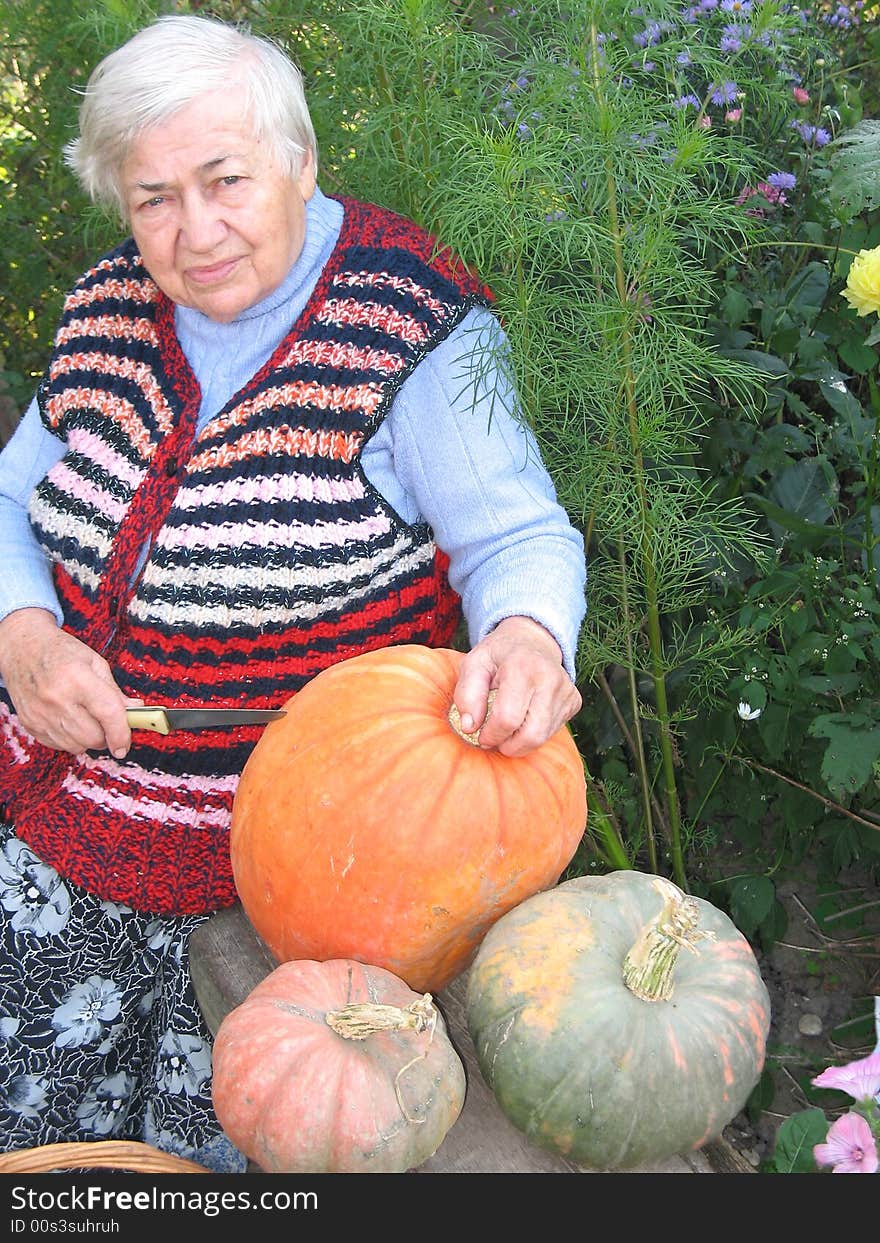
[{"x": 217, "y": 223}]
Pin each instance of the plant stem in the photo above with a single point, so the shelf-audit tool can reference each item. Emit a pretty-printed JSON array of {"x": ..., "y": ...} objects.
[
  {"x": 635, "y": 744},
  {"x": 638, "y": 748},
  {"x": 725, "y": 759},
  {"x": 645, "y": 543},
  {"x": 601, "y": 824},
  {"x": 872, "y": 473},
  {"x": 807, "y": 790}
]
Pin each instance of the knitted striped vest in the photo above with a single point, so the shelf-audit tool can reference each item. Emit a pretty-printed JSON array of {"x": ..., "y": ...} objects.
[{"x": 270, "y": 555}]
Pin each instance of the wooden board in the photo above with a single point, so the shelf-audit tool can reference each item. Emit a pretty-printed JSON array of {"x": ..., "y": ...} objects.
[{"x": 228, "y": 959}]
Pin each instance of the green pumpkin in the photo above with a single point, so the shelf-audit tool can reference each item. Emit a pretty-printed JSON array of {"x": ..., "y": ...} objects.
[{"x": 616, "y": 1020}]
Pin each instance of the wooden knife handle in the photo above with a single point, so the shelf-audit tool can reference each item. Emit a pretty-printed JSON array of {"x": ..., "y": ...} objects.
[{"x": 148, "y": 718}]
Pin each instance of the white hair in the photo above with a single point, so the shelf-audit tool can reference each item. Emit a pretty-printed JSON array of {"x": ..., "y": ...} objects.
[{"x": 168, "y": 64}]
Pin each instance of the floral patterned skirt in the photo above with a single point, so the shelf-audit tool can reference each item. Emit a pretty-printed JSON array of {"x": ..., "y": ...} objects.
[{"x": 101, "y": 1036}]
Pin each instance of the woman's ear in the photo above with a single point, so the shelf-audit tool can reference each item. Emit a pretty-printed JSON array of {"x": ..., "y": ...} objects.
[{"x": 305, "y": 179}]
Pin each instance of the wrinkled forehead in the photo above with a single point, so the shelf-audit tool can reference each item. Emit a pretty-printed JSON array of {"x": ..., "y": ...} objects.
[{"x": 200, "y": 134}]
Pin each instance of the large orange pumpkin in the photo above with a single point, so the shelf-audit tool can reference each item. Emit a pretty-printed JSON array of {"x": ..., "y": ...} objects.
[{"x": 366, "y": 827}]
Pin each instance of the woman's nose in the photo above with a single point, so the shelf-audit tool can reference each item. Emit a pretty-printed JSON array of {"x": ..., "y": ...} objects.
[{"x": 202, "y": 226}]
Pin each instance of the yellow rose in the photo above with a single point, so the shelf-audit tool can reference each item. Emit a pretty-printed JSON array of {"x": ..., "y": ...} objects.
[{"x": 863, "y": 283}]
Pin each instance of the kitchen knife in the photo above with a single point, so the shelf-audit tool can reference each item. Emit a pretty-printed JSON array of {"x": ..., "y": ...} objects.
[{"x": 164, "y": 720}]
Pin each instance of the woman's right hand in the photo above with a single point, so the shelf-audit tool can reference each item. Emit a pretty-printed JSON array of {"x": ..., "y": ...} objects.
[{"x": 63, "y": 692}]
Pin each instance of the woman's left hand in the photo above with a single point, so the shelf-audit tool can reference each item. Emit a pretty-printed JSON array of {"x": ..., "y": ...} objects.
[{"x": 534, "y": 696}]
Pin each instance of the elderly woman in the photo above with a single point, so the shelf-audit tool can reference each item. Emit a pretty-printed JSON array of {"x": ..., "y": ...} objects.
[{"x": 262, "y": 444}]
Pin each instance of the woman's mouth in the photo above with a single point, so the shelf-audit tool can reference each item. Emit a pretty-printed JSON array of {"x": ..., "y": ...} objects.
[{"x": 212, "y": 273}]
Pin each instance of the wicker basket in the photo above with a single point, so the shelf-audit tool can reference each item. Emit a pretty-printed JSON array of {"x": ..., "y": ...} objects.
[{"x": 108, "y": 1154}]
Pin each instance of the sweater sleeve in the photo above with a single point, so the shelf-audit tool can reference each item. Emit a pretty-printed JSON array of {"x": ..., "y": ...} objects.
[
  {"x": 453, "y": 452},
  {"x": 26, "y": 581}
]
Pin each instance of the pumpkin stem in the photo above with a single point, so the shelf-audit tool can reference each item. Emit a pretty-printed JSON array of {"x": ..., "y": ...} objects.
[
  {"x": 361, "y": 1019},
  {"x": 454, "y": 718},
  {"x": 647, "y": 968}
]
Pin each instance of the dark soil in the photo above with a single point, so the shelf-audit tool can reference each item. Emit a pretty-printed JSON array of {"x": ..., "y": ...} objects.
[{"x": 822, "y": 976}]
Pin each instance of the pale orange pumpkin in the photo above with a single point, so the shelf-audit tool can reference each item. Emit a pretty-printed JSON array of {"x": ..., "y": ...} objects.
[
  {"x": 336, "y": 1067},
  {"x": 365, "y": 826}
]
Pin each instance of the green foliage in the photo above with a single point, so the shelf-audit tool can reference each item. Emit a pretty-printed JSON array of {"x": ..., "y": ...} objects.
[
  {"x": 47, "y": 229},
  {"x": 50, "y": 231},
  {"x": 856, "y": 168},
  {"x": 795, "y": 1140}
]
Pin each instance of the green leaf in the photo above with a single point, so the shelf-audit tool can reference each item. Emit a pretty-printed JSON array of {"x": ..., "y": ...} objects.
[
  {"x": 807, "y": 290},
  {"x": 812, "y": 534},
  {"x": 840, "y": 659},
  {"x": 854, "y": 160},
  {"x": 752, "y": 692},
  {"x": 841, "y": 683},
  {"x": 802, "y": 652},
  {"x": 773, "y": 728},
  {"x": 751, "y": 900},
  {"x": 857, "y": 355},
  {"x": 795, "y": 1140},
  {"x": 773, "y": 928},
  {"x": 839, "y": 398},
  {"x": 736, "y": 307},
  {"x": 761, "y": 1095},
  {"x": 789, "y": 437},
  {"x": 852, "y": 751},
  {"x": 806, "y": 490},
  {"x": 768, "y": 364}
]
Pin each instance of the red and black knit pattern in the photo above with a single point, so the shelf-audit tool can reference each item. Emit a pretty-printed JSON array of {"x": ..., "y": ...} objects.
[{"x": 270, "y": 556}]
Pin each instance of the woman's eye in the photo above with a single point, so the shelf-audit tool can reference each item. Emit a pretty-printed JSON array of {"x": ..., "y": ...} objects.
[{"x": 231, "y": 180}]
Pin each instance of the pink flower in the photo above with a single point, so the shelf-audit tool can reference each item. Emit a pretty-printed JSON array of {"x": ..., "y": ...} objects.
[
  {"x": 705, "y": 122},
  {"x": 734, "y": 115},
  {"x": 800, "y": 95},
  {"x": 860, "y": 1079},
  {"x": 849, "y": 1148},
  {"x": 772, "y": 195}
]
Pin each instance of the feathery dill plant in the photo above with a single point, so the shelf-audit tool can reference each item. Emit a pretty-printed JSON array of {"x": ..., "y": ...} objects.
[{"x": 596, "y": 207}]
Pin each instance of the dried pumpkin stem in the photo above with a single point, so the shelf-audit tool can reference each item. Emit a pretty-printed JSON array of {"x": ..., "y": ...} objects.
[
  {"x": 361, "y": 1019},
  {"x": 454, "y": 718},
  {"x": 647, "y": 968}
]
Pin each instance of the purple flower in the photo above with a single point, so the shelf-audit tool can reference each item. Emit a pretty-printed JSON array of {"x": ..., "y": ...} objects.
[
  {"x": 811, "y": 134},
  {"x": 730, "y": 42},
  {"x": 736, "y": 6},
  {"x": 782, "y": 181},
  {"x": 850, "y": 1147},
  {"x": 686, "y": 101},
  {"x": 726, "y": 93},
  {"x": 860, "y": 1079},
  {"x": 649, "y": 36},
  {"x": 683, "y": 58}
]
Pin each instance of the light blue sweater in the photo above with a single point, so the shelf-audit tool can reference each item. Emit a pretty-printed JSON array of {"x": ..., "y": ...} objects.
[{"x": 450, "y": 451}]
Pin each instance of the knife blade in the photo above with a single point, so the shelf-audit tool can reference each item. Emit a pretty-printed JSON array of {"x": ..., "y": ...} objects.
[{"x": 164, "y": 720}]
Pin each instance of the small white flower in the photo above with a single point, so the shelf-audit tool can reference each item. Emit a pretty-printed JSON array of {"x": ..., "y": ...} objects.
[{"x": 746, "y": 711}]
